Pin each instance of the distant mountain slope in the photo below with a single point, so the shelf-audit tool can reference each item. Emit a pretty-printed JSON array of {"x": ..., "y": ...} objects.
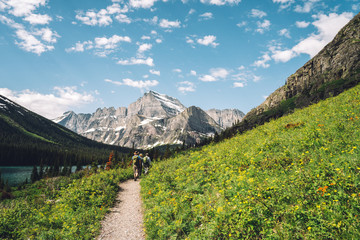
[
  {"x": 153, "y": 120},
  {"x": 334, "y": 69},
  {"x": 23, "y": 130},
  {"x": 227, "y": 117}
]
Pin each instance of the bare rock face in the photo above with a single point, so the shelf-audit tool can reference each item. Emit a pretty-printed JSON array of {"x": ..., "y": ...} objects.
[
  {"x": 334, "y": 69},
  {"x": 153, "y": 120},
  {"x": 227, "y": 117}
]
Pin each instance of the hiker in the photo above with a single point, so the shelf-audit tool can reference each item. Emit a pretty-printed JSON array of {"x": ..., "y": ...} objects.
[
  {"x": 146, "y": 163},
  {"x": 140, "y": 164},
  {"x": 136, "y": 164}
]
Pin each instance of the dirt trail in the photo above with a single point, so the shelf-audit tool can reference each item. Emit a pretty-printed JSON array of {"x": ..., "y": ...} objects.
[{"x": 125, "y": 219}]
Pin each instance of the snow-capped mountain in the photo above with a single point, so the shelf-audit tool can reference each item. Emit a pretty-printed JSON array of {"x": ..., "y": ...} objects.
[{"x": 154, "y": 119}]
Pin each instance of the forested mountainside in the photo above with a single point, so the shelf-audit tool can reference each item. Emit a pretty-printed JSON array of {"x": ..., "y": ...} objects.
[{"x": 27, "y": 138}]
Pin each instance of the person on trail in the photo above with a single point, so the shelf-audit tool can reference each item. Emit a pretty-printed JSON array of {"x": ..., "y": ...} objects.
[
  {"x": 141, "y": 164},
  {"x": 136, "y": 165},
  {"x": 146, "y": 163}
]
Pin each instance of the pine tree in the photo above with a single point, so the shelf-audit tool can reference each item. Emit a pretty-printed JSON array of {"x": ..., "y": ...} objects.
[
  {"x": 78, "y": 165},
  {"x": 1, "y": 182},
  {"x": 34, "y": 174},
  {"x": 7, "y": 187},
  {"x": 41, "y": 171}
]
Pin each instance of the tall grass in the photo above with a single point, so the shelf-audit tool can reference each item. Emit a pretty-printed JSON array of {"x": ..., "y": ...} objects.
[
  {"x": 293, "y": 178},
  {"x": 62, "y": 207}
]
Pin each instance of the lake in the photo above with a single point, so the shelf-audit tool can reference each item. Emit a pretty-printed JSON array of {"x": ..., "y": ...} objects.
[{"x": 18, "y": 175}]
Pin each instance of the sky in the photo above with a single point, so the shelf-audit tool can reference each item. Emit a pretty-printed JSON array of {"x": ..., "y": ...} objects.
[{"x": 81, "y": 55}]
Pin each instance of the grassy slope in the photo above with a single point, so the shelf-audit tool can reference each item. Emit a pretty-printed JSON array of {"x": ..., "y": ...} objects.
[
  {"x": 296, "y": 177},
  {"x": 62, "y": 207}
]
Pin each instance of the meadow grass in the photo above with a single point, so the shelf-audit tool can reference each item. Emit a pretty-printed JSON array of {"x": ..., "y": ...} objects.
[
  {"x": 296, "y": 177},
  {"x": 61, "y": 207}
]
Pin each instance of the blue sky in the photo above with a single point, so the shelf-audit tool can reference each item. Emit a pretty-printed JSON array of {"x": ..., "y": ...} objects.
[{"x": 84, "y": 54}]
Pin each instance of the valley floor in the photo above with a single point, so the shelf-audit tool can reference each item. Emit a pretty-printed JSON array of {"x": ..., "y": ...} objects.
[{"x": 125, "y": 219}]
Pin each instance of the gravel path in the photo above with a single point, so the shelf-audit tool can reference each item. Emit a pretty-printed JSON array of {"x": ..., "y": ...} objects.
[{"x": 125, "y": 219}]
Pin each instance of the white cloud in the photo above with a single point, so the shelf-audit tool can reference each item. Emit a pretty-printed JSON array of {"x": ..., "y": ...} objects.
[
  {"x": 186, "y": 86},
  {"x": 177, "y": 70},
  {"x": 239, "y": 84},
  {"x": 243, "y": 77},
  {"x": 103, "y": 46},
  {"x": 189, "y": 40},
  {"x": 49, "y": 105},
  {"x": 80, "y": 47},
  {"x": 283, "y": 56},
  {"x": 241, "y": 24},
  {"x": 92, "y": 18},
  {"x": 33, "y": 40},
  {"x": 137, "y": 61},
  {"x": 206, "y": 16},
  {"x": 263, "y": 26},
  {"x": 193, "y": 73},
  {"x": 284, "y": 3},
  {"x": 285, "y": 32},
  {"x": 136, "y": 84},
  {"x": 47, "y": 35},
  {"x": 38, "y": 19},
  {"x": 208, "y": 40},
  {"x": 302, "y": 24},
  {"x": 215, "y": 75},
  {"x": 355, "y": 7},
  {"x": 263, "y": 61},
  {"x": 22, "y": 8},
  {"x": 257, "y": 13},
  {"x": 110, "y": 43},
  {"x": 221, "y": 2},
  {"x": 142, "y": 3},
  {"x": 192, "y": 11},
  {"x": 144, "y": 47},
  {"x": 103, "y": 16},
  {"x": 154, "y": 72},
  {"x": 327, "y": 26},
  {"x": 207, "y": 78},
  {"x": 122, "y": 18},
  {"x": 158, "y": 40},
  {"x": 145, "y": 37},
  {"x": 164, "y": 23},
  {"x": 308, "y": 6},
  {"x": 30, "y": 43}
]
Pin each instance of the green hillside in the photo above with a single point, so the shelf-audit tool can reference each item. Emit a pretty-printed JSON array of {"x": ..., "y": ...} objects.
[
  {"x": 296, "y": 177},
  {"x": 27, "y": 138}
]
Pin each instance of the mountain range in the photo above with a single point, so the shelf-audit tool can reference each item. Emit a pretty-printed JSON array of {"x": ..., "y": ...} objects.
[{"x": 153, "y": 120}]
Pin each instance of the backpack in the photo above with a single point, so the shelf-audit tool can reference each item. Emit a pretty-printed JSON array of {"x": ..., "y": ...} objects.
[
  {"x": 136, "y": 160},
  {"x": 146, "y": 161}
]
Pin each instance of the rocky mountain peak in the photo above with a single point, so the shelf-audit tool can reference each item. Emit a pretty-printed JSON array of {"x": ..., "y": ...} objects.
[
  {"x": 152, "y": 120},
  {"x": 154, "y": 104},
  {"x": 227, "y": 117}
]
